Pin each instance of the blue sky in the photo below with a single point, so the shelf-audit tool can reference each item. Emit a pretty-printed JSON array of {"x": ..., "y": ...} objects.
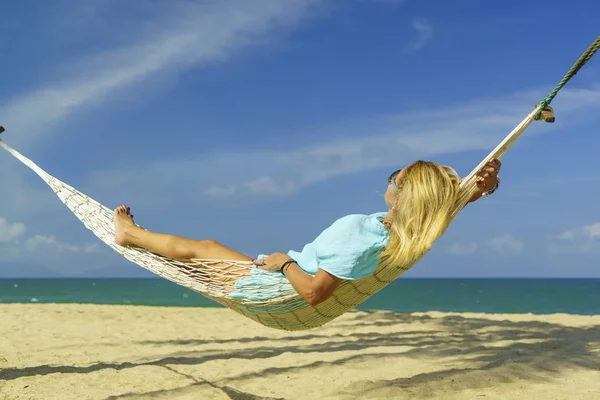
[{"x": 259, "y": 123}]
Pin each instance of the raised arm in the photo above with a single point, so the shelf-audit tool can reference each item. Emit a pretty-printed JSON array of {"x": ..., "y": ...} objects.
[{"x": 488, "y": 180}]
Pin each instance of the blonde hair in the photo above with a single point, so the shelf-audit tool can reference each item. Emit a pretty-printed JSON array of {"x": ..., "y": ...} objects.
[{"x": 426, "y": 198}]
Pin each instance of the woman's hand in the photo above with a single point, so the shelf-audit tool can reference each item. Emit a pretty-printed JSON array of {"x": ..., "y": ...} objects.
[
  {"x": 272, "y": 262},
  {"x": 314, "y": 289},
  {"x": 488, "y": 176}
]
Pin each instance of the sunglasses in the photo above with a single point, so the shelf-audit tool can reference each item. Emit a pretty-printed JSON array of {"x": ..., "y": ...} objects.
[{"x": 392, "y": 178}]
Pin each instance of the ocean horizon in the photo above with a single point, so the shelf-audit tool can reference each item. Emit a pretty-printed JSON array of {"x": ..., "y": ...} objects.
[{"x": 488, "y": 295}]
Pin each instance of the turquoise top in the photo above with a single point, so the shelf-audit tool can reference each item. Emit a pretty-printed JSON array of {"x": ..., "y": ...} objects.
[{"x": 348, "y": 249}]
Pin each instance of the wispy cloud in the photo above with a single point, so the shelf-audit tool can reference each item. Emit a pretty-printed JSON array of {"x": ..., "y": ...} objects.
[
  {"x": 169, "y": 39},
  {"x": 505, "y": 244},
  {"x": 462, "y": 249},
  {"x": 219, "y": 191},
  {"x": 581, "y": 240},
  {"x": 41, "y": 243},
  {"x": 197, "y": 35},
  {"x": 14, "y": 243},
  {"x": 267, "y": 186},
  {"x": 424, "y": 33},
  {"x": 359, "y": 145},
  {"x": 10, "y": 231}
]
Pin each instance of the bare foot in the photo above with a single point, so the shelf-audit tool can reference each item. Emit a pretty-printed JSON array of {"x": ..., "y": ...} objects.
[{"x": 123, "y": 222}]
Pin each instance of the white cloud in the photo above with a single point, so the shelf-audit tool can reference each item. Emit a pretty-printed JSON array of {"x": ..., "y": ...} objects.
[
  {"x": 41, "y": 243},
  {"x": 220, "y": 191},
  {"x": 204, "y": 34},
  {"x": 581, "y": 240},
  {"x": 10, "y": 231},
  {"x": 346, "y": 148},
  {"x": 15, "y": 246},
  {"x": 194, "y": 36},
  {"x": 260, "y": 187},
  {"x": 506, "y": 244},
  {"x": 267, "y": 186},
  {"x": 462, "y": 249},
  {"x": 424, "y": 30},
  {"x": 173, "y": 37},
  {"x": 593, "y": 230}
]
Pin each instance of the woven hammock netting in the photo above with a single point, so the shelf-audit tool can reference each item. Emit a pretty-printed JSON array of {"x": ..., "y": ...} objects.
[{"x": 279, "y": 306}]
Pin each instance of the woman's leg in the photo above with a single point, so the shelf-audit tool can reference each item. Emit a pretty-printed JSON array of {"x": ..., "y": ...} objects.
[{"x": 177, "y": 247}]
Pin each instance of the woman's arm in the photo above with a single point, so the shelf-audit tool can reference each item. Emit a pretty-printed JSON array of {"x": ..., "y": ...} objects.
[
  {"x": 314, "y": 290},
  {"x": 488, "y": 180},
  {"x": 476, "y": 196}
]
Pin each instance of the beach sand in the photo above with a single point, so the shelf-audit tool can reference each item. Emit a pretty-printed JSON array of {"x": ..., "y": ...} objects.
[{"x": 68, "y": 351}]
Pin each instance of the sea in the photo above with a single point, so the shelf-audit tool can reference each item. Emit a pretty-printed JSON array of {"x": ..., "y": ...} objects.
[{"x": 536, "y": 296}]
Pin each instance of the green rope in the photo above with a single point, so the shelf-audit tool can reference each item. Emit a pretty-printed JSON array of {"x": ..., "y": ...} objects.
[{"x": 585, "y": 57}]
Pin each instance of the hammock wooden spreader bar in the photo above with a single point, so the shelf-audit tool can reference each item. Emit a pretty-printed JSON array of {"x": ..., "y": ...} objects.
[{"x": 273, "y": 302}]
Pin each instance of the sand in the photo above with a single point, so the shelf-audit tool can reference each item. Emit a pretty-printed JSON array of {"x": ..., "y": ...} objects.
[{"x": 50, "y": 351}]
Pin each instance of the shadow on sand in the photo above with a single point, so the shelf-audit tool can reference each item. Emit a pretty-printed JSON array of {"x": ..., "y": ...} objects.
[{"x": 503, "y": 351}]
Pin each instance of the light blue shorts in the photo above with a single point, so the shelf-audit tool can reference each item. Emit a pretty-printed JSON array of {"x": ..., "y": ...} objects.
[{"x": 261, "y": 285}]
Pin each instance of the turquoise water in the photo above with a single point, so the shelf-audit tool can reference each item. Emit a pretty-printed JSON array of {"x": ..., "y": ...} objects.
[{"x": 538, "y": 296}]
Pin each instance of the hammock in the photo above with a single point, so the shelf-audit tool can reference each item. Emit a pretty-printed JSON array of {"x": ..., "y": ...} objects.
[{"x": 272, "y": 302}]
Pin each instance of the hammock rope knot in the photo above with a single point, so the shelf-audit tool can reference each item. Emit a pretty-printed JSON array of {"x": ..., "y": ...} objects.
[{"x": 585, "y": 57}]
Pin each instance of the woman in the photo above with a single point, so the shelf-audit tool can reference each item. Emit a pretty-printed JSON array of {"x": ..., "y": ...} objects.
[{"x": 420, "y": 199}]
